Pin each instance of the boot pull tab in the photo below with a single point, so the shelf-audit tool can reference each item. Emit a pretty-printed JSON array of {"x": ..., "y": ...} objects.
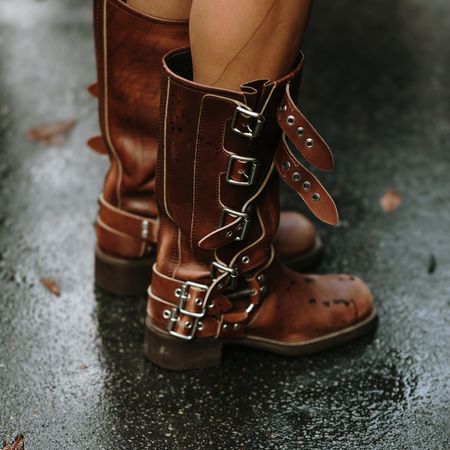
[
  {"x": 97, "y": 145},
  {"x": 93, "y": 90}
]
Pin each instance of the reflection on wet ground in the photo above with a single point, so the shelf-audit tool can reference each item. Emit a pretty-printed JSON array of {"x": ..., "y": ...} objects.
[{"x": 72, "y": 373}]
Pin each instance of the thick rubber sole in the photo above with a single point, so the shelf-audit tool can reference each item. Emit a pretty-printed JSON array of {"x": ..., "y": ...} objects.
[
  {"x": 120, "y": 276},
  {"x": 174, "y": 353}
]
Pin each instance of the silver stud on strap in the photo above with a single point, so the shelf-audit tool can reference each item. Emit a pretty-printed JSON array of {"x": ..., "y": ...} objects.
[
  {"x": 144, "y": 229},
  {"x": 286, "y": 165},
  {"x": 166, "y": 314},
  {"x": 300, "y": 131},
  {"x": 296, "y": 176},
  {"x": 309, "y": 142},
  {"x": 283, "y": 108},
  {"x": 188, "y": 325},
  {"x": 306, "y": 186},
  {"x": 198, "y": 301},
  {"x": 245, "y": 259},
  {"x": 315, "y": 197},
  {"x": 290, "y": 120}
]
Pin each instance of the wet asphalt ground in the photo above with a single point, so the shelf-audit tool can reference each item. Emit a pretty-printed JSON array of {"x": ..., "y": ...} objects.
[{"x": 72, "y": 372}]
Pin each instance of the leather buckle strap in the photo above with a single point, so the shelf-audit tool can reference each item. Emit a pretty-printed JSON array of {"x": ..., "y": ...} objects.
[
  {"x": 184, "y": 295},
  {"x": 302, "y": 134},
  {"x": 247, "y": 170},
  {"x": 243, "y": 226},
  {"x": 216, "y": 268},
  {"x": 307, "y": 186},
  {"x": 190, "y": 326},
  {"x": 139, "y": 227},
  {"x": 246, "y": 122}
]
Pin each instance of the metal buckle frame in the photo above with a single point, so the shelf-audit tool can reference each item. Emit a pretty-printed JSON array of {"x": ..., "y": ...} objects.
[
  {"x": 254, "y": 164},
  {"x": 246, "y": 221},
  {"x": 254, "y": 126},
  {"x": 179, "y": 309},
  {"x": 216, "y": 267}
]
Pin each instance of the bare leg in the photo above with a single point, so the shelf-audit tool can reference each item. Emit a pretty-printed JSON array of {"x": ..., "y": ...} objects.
[
  {"x": 166, "y": 9},
  {"x": 234, "y": 41}
]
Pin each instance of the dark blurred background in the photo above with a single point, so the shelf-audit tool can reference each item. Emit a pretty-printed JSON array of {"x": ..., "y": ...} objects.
[{"x": 72, "y": 372}]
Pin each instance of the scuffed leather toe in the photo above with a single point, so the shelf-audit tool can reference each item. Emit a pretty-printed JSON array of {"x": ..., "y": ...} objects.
[{"x": 305, "y": 307}]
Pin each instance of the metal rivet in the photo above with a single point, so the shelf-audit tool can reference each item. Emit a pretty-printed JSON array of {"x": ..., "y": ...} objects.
[
  {"x": 283, "y": 108},
  {"x": 296, "y": 176},
  {"x": 177, "y": 292},
  {"x": 188, "y": 325},
  {"x": 211, "y": 305},
  {"x": 253, "y": 292},
  {"x": 229, "y": 234},
  {"x": 166, "y": 314},
  {"x": 306, "y": 186},
  {"x": 290, "y": 120},
  {"x": 144, "y": 229},
  {"x": 220, "y": 286},
  {"x": 262, "y": 289},
  {"x": 315, "y": 197},
  {"x": 261, "y": 278},
  {"x": 225, "y": 326},
  {"x": 300, "y": 131},
  {"x": 309, "y": 142},
  {"x": 286, "y": 165},
  {"x": 200, "y": 326},
  {"x": 198, "y": 301},
  {"x": 236, "y": 326},
  {"x": 245, "y": 259}
]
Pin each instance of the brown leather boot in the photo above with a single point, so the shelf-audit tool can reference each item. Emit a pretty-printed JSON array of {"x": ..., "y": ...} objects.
[
  {"x": 216, "y": 279},
  {"x": 129, "y": 47}
]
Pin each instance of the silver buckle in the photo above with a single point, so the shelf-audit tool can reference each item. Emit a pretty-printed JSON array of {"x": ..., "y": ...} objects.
[
  {"x": 216, "y": 267},
  {"x": 254, "y": 126},
  {"x": 245, "y": 225},
  {"x": 175, "y": 315},
  {"x": 254, "y": 164}
]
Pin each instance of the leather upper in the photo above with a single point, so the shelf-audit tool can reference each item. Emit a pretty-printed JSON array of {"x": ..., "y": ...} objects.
[
  {"x": 217, "y": 192},
  {"x": 129, "y": 48}
]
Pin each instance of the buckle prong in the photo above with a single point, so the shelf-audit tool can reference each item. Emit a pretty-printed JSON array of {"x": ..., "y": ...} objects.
[
  {"x": 254, "y": 164},
  {"x": 254, "y": 125}
]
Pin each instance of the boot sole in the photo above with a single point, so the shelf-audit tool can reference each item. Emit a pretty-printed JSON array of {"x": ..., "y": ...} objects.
[
  {"x": 173, "y": 353},
  {"x": 121, "y": 276}
]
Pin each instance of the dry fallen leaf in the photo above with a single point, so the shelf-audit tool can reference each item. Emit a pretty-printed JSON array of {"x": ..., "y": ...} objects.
[
  {"x": 390, "y": 201},
  {"x": 51, "y": 285},
  {"x": 18, "y": 444},
  {"x": 51, "y": 133}
]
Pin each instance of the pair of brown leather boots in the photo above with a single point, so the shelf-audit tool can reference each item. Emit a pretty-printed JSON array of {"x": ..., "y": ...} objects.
[{"x": 204, "y": 188}]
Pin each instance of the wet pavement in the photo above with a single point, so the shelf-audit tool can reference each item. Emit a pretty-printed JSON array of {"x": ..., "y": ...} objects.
[{"x": 72, "y": 372}]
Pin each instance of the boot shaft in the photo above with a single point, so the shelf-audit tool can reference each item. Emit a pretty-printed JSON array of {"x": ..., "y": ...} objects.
[
  {"x": 215, "y": 171},
  {"x": 217, "y": 193},
  {"x": 129, "y": 47}
]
